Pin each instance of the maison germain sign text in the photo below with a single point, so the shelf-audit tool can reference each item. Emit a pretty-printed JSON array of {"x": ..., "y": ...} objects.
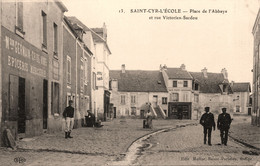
[{"x": 22, "y": 56}]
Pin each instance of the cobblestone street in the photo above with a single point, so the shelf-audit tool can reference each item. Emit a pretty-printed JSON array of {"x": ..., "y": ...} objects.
[
  {"x": 184, "y": 146},
  {"x": 99, "y": 146}
]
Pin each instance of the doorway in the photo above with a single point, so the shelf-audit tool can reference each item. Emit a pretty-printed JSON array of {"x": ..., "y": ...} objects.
[
  {"x": 17, "y": 102},
  {"x": 155, "y": 101},
  {"x": 45, "y": 104}
]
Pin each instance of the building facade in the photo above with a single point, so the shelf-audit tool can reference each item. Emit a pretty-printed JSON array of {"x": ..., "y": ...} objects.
[
  {"x": 31, "y": 63},
  {"x": 256, "y": 73},
  {"x": 133, "y": 92}
]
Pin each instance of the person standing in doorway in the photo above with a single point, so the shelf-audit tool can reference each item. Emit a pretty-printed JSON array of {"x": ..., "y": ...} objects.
[
  {"x": 207, "y": 121},
  {"x": 68, "y": 114},
  {"x": 224, "y": 121}
]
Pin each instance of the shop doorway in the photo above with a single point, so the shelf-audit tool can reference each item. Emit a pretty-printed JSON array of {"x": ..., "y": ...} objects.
[
  {"x": 45, "y": 104},
  {"x": 17, "y": 102}
]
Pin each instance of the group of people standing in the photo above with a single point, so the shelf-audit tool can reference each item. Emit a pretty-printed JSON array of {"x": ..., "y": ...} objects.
[{"x": 223, "y": 124}]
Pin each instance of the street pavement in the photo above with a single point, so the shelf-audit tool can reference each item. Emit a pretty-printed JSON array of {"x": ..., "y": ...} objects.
[
  {"x": 98, "y": 146},
  {"x": 184, "y": 146}
]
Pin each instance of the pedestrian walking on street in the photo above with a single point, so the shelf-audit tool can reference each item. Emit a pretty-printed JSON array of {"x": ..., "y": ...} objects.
[
  {"x": 68, "y": 114},
  {"x": 149, "y": 118},
  {"x": 224, "y": 121},
  {"x": 207, "y": 121}
]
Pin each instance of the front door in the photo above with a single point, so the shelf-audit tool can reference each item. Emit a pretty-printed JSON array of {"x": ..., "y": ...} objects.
[
  {"x": 114, "y": 112},
  {"x": 155, "y": 101},
  {"x": 45, "y": 104}
]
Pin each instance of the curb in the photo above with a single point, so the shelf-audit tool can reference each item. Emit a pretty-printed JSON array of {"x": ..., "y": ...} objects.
[{"x": 244, "y": 143}]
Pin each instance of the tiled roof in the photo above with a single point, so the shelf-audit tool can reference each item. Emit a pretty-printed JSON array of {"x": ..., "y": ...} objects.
[
  {"x": 139, "y": 81},
  {"x": 209, "y": 84},
  {"x": 241, "y": 87},
  {"x": 178, "y": 73}
]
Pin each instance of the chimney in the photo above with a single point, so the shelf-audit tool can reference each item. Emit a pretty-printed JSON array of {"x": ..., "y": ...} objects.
[
  {"x": 123, "y": 68},
  {"x": 104, "y": 32},
  {"x": 204, "y": 71},
  {"x": 183, "y": 67},
  {"x": 224, "y": 72}
]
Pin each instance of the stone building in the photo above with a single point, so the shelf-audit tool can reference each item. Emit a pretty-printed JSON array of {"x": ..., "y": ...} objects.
[
  {"x": 76, "y": 71},
  {"x": 96, "y": 40},
  {"x": 135, "y": 91},
  {"x": 256, "y": 72},
  {"x": 31, "y": 62},
  {"x": 241, "y": 97},
  {"x": 179, "y": 86},
  {"x": 211, "y": 90}
]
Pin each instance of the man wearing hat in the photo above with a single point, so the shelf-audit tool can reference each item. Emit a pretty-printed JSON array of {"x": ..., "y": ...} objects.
[
  {"x": 207, "y": 121},
  {"x": 68, "y": 114},
  {"x": 224, "y": 121}
]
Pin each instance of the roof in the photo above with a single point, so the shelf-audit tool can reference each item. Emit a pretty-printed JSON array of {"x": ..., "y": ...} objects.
[
  {"x": 72, "y": 29},
  {"x": 241, "y": 87},
  {"x": 209, "y": 84},
  {"x": 256, "y": 21},
  {"x": 96, "y": 37},
  {"x": 178, "y": 73},
  {"x": 139, "y": 81}
]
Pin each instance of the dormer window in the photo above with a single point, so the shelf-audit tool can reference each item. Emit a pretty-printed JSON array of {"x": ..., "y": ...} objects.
[{"x": 196, "y": 86}]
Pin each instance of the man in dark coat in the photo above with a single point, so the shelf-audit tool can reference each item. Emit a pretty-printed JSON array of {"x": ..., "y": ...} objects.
[
  {"x": 68, "y": 114},
  {"x": 207, "y": 121},
  {"x": 224, "y": 121}
]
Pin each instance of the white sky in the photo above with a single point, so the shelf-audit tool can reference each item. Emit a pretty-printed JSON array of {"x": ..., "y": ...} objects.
[{"x": 214, "y": 41}]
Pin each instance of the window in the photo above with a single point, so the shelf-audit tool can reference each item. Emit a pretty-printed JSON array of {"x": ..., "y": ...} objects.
[
  {"x": 185, "y": 97},
  {"x": 86, "y": 71},
  {"x": 94, "y": 80},
  {"x": 19, "y": 19},
  {"x": 237, "y": 108},
  {"x": 174, "y": 83},
  {"x": 44, "y": 30},
  {"x": 122, "y": 99},
  {"x": 196, "y": 86},
  {"x": 185, "y": 83},
  {"x": 196, "y": 98},
  {"x": 68, "y": 70},
  {"x": 175, "y": 97},
  {"x": 55, "y": 40},
  {"x": 81, "y": 75},
  {"x": 164, "y": 100},
  {"x": 55, "y": 94},
  {"x": 133, "y": 111},
  {"x": 133, "y": 99},
  {"x": 224, "y": 88}
]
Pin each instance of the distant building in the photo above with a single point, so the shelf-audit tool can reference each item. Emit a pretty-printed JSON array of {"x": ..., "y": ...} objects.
[
  {"x": 256, "y": 72},
  {"x": 179, "y": 86},
  {"x": 96, "y": 40},
  {"x": 241, "y": 97},
  {"x": 135, "y": 91},
  {"x": 211, "y": 90}
]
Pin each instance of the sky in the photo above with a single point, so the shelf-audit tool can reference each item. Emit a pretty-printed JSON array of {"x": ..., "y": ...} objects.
[{"x": 213, "y": 40}]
